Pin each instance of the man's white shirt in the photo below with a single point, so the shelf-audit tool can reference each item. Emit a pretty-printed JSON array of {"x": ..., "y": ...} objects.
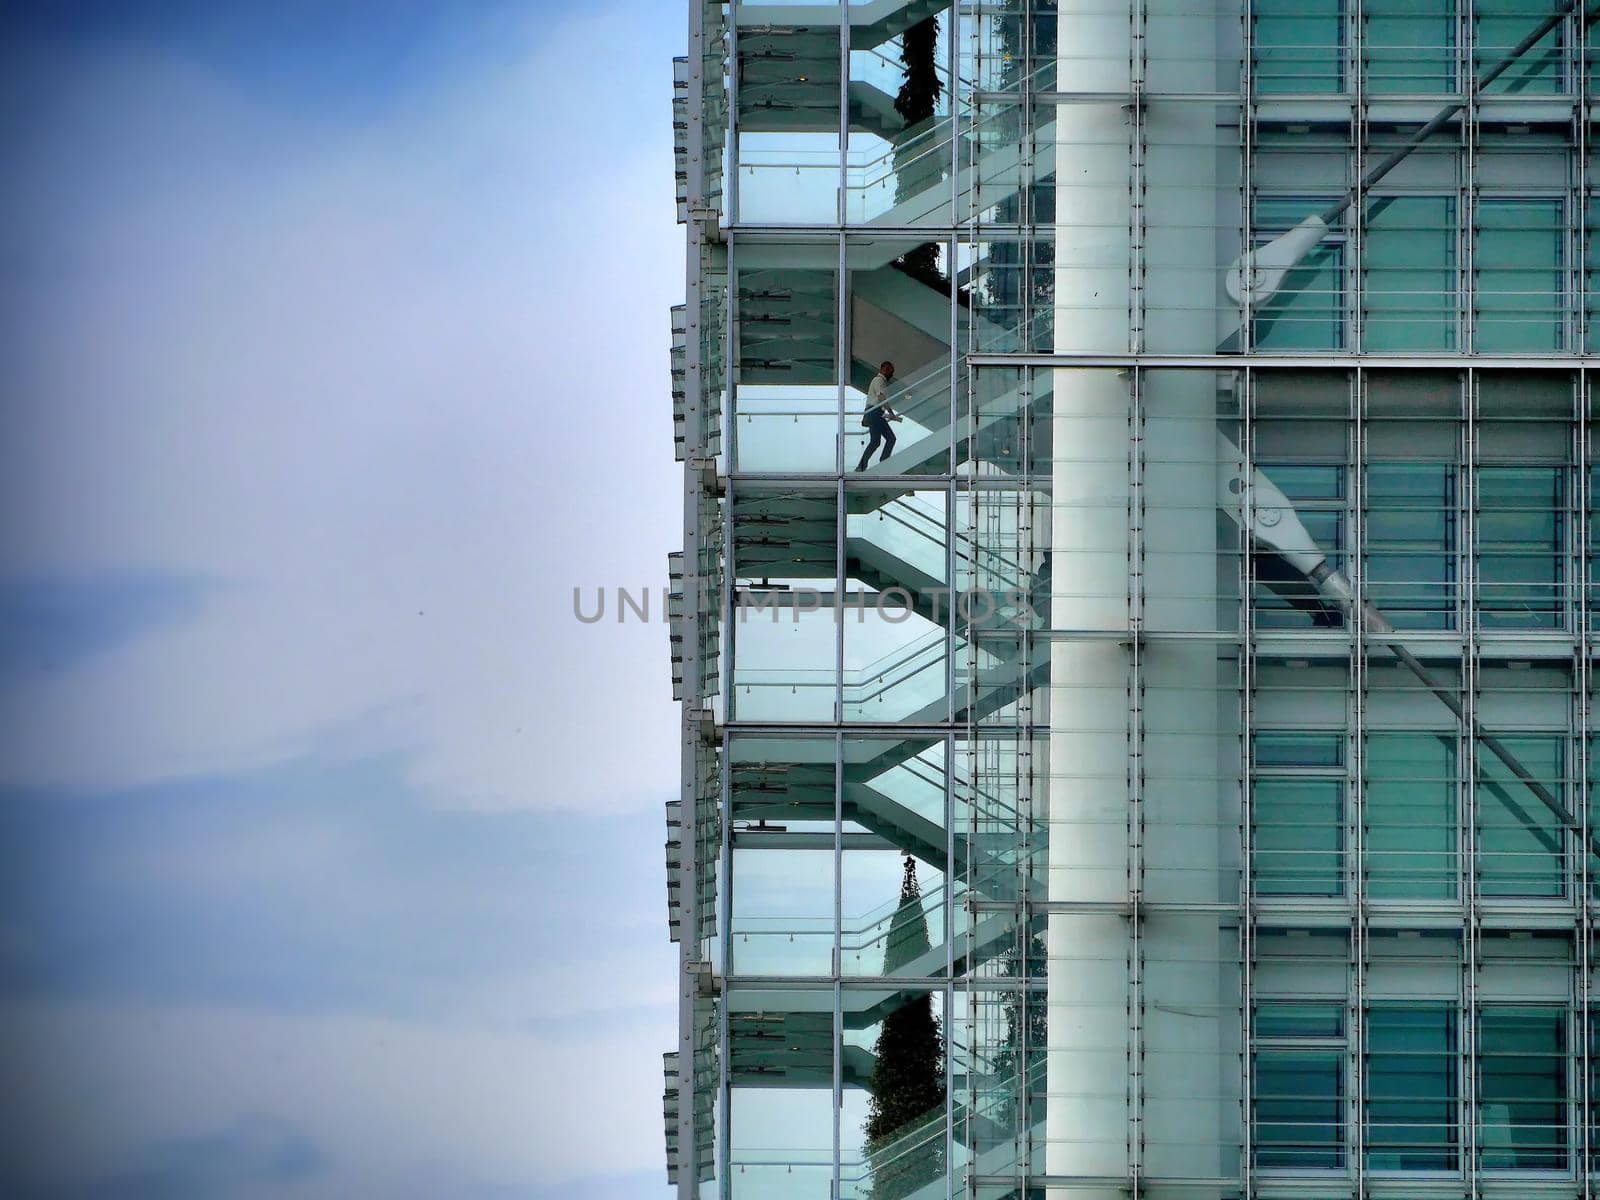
[{"x": 877, "y": 392}]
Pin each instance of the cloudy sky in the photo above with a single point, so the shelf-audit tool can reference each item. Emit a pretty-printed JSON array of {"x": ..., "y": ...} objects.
[{"x": 333, "y": 355}]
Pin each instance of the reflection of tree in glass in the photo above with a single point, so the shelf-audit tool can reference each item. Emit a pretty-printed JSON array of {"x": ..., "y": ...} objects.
[
  {"x": 905, "y": 1113},
  {"x": 1024, "y": 1037},
  {"x": 919, "y": 152},
  {"x": 1019, "y": 285}
]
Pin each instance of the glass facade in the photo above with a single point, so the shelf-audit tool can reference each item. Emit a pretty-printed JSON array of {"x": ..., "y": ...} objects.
[{"x": 1165, "y": 770}]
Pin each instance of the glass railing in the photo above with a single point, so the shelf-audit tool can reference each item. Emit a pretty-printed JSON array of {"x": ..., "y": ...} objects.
[
  {"x": 908, "y": 534},
  {"x": 781, "y": 945},
  {"x": 908, "y": 180},
  {"x": 899, "y": 683},
  {"x": 864, "y": 948},
  {"x": 906, "y": 1166},
  {"x": 783, "y": 693}
]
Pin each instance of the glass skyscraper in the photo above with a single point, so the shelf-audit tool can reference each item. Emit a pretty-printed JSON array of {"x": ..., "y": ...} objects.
[{"x": 1168, "y": 773}]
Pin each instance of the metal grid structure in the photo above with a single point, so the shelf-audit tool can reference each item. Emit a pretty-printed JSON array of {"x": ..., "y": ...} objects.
[{"x": 1130, "y": 1001}]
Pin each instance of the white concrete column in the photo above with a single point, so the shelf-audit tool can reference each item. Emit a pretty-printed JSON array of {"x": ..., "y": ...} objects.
[
  {"x": 1186, "y": 1110},
  {"x": 1086, "y": 1111}
]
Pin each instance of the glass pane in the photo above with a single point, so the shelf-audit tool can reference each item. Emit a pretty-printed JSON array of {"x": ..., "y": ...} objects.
[
  {"x": 1409, "y": 46},
  {"x": 1299, "y": 46},
  {"x": 900, "y": 308},
  {"x": 1410, "y": 562},
  {"x": 780, "y": 1102},
  {"x": 788, "y": 124},
  {"x": 782, "y": 901},
  {"x": 1501, "y": 26},
  {"x": 1410, "y": 273},
  {"x": 901, "y": 133},
  {"x": 1299, "y": 1108},
  {"x": 893, "y": 919},
  {"x": 1522, "y": 1105},
  {"x": 785, "y": 393},
  {"x": 1411, "y": 816},
  {"x": 1520, "y": 841},
  {"x": 1411, "y": 1097},
  {"x": 896, "y": 634},
  {"x": 1518, "y": 265},
  {"x": 784, "y": 638},
  {"x": 788, "y": 782},
  {"x": 1275, "y": 749},
  {"x": 1307, "y": 310},
  {"x": 1298, "y": 834},
  {"x": 1591, "y": 267},
  {"x": 1299, "y": 1021},
  {"x": 893, "y": 1120},
  {"x": 1520, "y": 536}
]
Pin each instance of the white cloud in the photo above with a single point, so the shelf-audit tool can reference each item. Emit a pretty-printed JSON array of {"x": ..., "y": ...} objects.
[
  {"x": 395, "y": 1110},
  {"x": 398, "y": 387}
]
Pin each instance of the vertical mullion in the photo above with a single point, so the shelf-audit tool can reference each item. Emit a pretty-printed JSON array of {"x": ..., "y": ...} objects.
[
  {"x": 1357, "y": 441},
  {"x": 838, "y": 957},
  {"x": 1247, "y": 683},
  {"x": 1466, "y": 558},
  {"x": 1353, "y": 283},
  {"x": 1583, "y": 696}
]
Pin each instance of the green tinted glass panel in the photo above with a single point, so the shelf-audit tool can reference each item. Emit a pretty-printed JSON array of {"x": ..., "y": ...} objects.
[
  {"x": 1520, "y": 841},
  {"x": 1409, "y": 46},
  {"x": 1307, "y": 310},
  {"x": 1501, "y": 27},
  {"x": 1519, "y": 533},
  {"x": 1410, "y": 273},
  {"x": 1522, "y": 1088},
  {"x": 1275, "y": 749},
  {"x": 1593, "y": 549},
  {"x": 1411, "y": 816},
  {"x": 1286, "y": 599},
  {"x": 1299, "y": 1021},
  {"x": 1299, "y": 46},
  {"x": 1301, "y": 482},
  {"x": 1299, "y": 1108},
  {"x": 1517, "y": 273},
  {"x": 1591, "y": 264},
  {"x": 1410, "y": 1106},
  {"x": 1410, "y": 561},
  {"x": 1298, "y": 837},
  {"x": 1593, "y": 1089},
  {"x": 1592, "y": 801}
]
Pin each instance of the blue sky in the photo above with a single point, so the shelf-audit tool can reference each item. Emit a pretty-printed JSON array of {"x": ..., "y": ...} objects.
[{"x": 332, "y": 357}]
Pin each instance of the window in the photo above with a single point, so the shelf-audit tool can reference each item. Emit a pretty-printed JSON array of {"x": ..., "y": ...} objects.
[
  {"x": 1410, "y": 1108},
  {"x": 1298, "y": 1085},
  {"x": 1517, "y": 273},
  {"x": 1594, "y": 547},
  {"x": 1519, "y": 535},
  {"x": 1410, "y": 561},
  {"x": 1307, "y": 311},
  {"x": 787, "y": 151},
  {"x": 1299, "y": 47},
  {"x": 1410, "y": 829},
  {"x": 1522, "y": 1088},
  {"x": 1591, "y": 266},
  {"x": 1593, "y": 1088},
  {"x": 1284, "y": 597},
  {"x": 1409, "y": 284},
  {"x": 1297, "y": 802},
  {"x": 1501, "y": 26},
  {"x": 1591, "y": 793},
  {"x": 1520, "y": 841},
  {"x": 1409, "y": 46}
]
